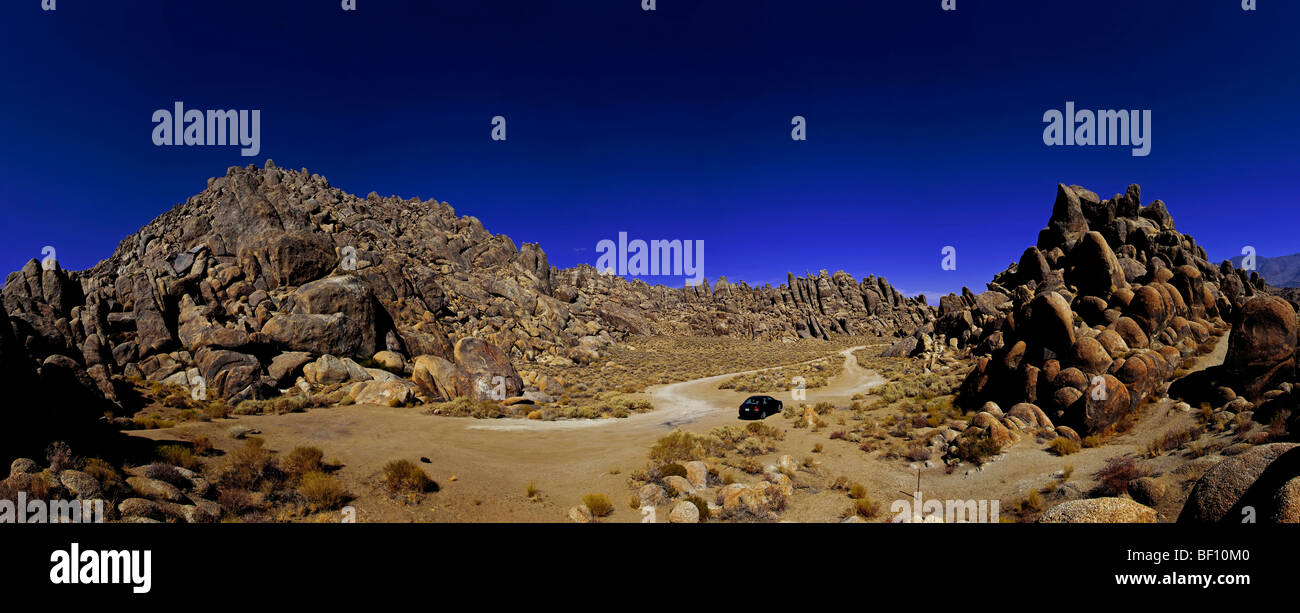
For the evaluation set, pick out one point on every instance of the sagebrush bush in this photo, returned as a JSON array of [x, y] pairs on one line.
[[405, 476], [865, 507], [235, 501], [681, 445], [247, 465], [917, 453], [977, 449], [598, 504], [302, 460], [322, 491], [672, 469], [857, 491], [1116, 475], [178, 455], [1063, 446], [102, 471], [202, 445]]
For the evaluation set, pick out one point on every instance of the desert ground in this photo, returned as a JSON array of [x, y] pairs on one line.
[[484, 468]]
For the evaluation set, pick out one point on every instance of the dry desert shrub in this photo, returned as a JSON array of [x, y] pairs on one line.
[[302, 460], [179, 455], [467, 407], [248, 465], [865, 508], [1115, 476], [598, 504], [322, 491], [404, 476], [681, 445], [1063, 446], [857, 491]]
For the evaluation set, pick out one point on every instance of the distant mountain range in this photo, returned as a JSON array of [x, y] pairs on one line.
[[1281, 271]]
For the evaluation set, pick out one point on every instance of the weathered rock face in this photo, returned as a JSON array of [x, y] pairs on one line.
[[1099, 511], [266, 261], [1260, 478], [1099, 314], [314, 333], [344, 294], [231, 375], [1262, 346], [330, 369], [440, 379], [488, 368]]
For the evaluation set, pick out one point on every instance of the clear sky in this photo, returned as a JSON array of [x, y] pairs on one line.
[[925, 127]]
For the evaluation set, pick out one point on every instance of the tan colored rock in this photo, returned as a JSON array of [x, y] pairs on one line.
[[680, 484], [581, 514], [1099, 511], [684, 512], [697, 473], [155, 489], [391, 360]]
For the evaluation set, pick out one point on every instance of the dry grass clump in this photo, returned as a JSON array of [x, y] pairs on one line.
[[1171, 440], [1030, 504], [1063, 446], [152, 422], [303, 460], [322, 491], [865, 508], [976, 449], [467, 407], [1116, 475], [178, 455], [598, 504], [248, 466], [288, 403], [681, 445], [403, 476], [857, 491], [102, 471], [176, 402]]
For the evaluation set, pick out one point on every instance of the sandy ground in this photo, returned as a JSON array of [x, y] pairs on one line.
[[483, 467]]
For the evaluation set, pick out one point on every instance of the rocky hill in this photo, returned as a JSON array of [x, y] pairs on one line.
[[1103, 312], [267, 269]]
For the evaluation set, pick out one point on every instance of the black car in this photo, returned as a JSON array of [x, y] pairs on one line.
[[759, 407]]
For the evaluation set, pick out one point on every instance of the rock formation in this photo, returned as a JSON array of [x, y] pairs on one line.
[[245, 286], [1097, 315]]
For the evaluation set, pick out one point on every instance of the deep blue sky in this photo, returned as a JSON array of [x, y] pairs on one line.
[[925, 127]]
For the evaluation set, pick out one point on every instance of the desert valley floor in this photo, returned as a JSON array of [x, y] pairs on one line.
[[484, 467]]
